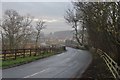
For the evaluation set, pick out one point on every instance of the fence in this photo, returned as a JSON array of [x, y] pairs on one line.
[[112, 65], [14, 53]]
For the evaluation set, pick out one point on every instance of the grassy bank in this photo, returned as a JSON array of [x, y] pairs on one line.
[[20, 61]]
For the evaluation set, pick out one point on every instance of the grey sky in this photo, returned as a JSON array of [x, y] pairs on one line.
[[51, 12]]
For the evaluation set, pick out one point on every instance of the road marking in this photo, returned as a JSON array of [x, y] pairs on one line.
[[35, 73]]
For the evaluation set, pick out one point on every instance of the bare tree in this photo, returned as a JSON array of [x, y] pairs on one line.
[[73, 19], [102, 24], [15, 28], [26, 30], [40, 25], [11, 25]]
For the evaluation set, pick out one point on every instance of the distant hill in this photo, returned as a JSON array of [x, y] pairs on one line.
[[68, 34], [63, 34]]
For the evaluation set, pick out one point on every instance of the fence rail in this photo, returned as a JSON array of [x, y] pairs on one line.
[[14, 53], [112, 65]]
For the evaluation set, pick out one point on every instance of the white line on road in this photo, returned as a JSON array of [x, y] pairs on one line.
[[35, 73]]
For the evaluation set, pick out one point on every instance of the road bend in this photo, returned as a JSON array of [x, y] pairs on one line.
[[69, 64]]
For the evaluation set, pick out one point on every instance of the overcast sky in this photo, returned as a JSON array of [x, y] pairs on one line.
[[51, 12]]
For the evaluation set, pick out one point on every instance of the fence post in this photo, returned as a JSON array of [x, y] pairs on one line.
[[43, 51], [50, 50], [35, 52], [30, 52], [23, 53], [64, 48], [53, 50], [4, 55], [15, 54], [39, 51], [47, 50]]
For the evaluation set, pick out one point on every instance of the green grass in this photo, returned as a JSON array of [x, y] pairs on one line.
[[20, 61]]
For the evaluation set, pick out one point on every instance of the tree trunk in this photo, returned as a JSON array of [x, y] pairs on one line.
[[37, 37], [76, 34], [82, 35]]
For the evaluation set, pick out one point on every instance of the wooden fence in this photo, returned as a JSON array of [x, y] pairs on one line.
[[14, 53], [112, 65]]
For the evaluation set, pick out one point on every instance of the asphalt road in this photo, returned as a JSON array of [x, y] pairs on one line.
[[70, 64]]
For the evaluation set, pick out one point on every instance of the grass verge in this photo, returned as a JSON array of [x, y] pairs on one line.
[[20, 61]]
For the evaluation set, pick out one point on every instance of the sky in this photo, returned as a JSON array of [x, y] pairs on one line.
[[51, 12]]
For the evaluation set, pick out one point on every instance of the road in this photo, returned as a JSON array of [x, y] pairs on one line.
[[69, 64]]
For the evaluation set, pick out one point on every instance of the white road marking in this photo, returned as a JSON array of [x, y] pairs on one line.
[[35, 73]]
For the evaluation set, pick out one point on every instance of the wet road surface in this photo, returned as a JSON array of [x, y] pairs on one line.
[[70, 64]]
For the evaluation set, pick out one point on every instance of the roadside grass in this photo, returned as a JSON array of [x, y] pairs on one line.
[[19, 61]]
